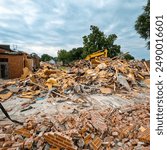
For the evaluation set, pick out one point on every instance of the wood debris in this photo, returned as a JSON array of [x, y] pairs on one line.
[[95, 129], [108, 77]]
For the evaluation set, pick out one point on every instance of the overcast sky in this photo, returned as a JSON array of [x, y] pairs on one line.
[[45, 26]]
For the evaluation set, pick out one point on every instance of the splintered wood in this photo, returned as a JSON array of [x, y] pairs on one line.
[[5, 96], [107, 77]]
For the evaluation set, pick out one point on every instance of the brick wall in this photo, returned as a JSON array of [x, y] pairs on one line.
[[15, 65], [29, 64], [36, 63], [2, 50]]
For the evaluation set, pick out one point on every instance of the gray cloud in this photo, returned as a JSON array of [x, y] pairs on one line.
[[47, 26]]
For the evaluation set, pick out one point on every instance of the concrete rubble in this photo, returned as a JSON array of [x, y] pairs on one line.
[[101, 106]]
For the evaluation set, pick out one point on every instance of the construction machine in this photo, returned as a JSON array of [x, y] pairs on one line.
[[95, 57]]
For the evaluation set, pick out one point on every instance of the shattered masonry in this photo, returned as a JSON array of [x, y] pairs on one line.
[[82, 122]]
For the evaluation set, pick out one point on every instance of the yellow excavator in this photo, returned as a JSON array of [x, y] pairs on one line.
[[95, 57]]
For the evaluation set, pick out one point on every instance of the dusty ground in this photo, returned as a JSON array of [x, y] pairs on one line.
[[16, 106]]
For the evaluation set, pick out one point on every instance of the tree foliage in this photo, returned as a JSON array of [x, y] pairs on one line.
[[69, 56], [142, 25], [97, 40], [34, 55], [128, 57], [93, 42], [63, 56], [46, 57], [76, 53]]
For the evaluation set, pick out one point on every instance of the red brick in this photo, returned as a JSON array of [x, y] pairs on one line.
[[23, 132], [87, 139], [145, 136], [96, 143], [98, 122], [58, 140]]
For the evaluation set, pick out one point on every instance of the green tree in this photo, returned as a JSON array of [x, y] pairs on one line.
[[46, 57], [142, 25], [128, 57], [93, 42], [64, 56], [55, 59], [76, 53], [69, 56], [97, 40]]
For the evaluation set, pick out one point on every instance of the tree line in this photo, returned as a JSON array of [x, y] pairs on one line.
[[93, 42], [97, 40]]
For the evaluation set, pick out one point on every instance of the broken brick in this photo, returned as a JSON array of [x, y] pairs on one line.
[[126, 131], [145, 136], [98, 122], [87, 139], [28, 143], [96, 143], [23, 132], [58, 140]]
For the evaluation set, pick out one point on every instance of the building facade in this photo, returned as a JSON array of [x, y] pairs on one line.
[[12, 63]]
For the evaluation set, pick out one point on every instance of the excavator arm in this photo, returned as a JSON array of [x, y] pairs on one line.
[[97, 54]]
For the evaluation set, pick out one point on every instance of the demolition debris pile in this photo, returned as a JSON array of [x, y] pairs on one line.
[[108, 77], [108, 128], [126, 128]]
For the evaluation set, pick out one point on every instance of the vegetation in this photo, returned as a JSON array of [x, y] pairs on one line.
[[64, 56], [93, 42], [128, 57], [46, 57], [142, 24], [97, 40]]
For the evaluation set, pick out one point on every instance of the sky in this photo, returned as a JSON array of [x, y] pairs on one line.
[[46, 26]]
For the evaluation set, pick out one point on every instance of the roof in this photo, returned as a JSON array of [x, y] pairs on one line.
[[6, 47], [12, 53]]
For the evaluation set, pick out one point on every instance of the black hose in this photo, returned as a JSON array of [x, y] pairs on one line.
[[7, 115]]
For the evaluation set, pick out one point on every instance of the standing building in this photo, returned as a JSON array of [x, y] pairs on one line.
[[13, 62]]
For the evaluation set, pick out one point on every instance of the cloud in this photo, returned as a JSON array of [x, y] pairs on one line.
[[47, 26]]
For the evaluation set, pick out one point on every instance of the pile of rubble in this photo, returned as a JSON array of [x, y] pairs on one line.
[[125, 128], [108, 77], [107, 128]]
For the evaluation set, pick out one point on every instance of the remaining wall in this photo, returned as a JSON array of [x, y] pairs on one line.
[[36, 63], [29, 64], [4, 70], [3, 50], [15, 65]]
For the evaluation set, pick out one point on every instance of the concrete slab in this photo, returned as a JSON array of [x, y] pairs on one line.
[[95, 101]]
